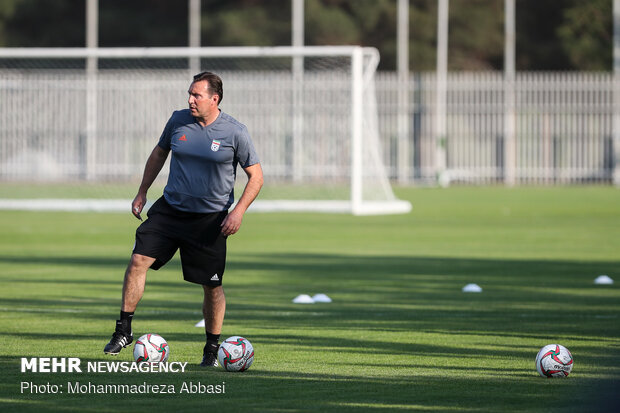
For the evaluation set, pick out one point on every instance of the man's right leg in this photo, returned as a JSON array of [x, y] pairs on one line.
[[135, 279], [133, 288]]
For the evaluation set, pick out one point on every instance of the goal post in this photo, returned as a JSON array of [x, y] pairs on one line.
[[76, 138]]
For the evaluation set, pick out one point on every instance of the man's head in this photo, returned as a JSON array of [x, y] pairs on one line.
[[205, 94]]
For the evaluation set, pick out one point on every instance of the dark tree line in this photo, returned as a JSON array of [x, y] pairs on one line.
[[551, 34]]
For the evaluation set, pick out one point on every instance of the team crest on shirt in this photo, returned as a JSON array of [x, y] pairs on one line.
[[215, 145]]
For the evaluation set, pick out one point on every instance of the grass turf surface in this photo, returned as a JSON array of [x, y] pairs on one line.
[[399, 335]]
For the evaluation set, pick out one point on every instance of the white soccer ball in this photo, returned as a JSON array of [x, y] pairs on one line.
[[151, 348], [554, 360], [236, 353]]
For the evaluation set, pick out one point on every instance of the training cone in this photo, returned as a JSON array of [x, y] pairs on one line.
[[321, 298], [472, 288], [603, 279], [303, 299]]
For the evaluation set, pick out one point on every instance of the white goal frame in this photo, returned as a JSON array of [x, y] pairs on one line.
[[364, 62]]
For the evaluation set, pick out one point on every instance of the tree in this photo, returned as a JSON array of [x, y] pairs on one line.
[[246, 23], [42, 23], [476, 35], [586, 33], [551, 34], [476, 30], [142, 23]]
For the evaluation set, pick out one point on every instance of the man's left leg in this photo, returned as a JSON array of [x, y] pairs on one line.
[[213, 310]]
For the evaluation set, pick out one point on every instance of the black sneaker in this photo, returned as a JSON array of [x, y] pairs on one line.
[[209, 355], [120, 339]]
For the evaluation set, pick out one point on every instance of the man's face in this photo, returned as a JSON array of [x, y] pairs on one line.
[[202, 102]]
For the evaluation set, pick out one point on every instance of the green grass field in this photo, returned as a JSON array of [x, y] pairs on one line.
[[399, 334]]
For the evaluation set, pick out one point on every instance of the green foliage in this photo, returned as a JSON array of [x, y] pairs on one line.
[[142, 23], [476, 35], [587, 34], [538, 47], [422, 35], [246, 23], [42, 23], [7, 9], [551, 34], [330, 24]]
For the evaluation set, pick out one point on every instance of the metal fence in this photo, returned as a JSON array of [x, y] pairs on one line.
[[563, 128]]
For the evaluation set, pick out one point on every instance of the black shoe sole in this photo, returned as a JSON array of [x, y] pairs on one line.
[[205, 364], [110, 353]]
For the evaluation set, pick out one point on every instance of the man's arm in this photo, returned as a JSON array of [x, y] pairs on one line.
[[232, 222], [151, 170]]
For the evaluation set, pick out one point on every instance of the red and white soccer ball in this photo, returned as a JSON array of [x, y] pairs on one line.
[[236, 354], [554, 360], [151, 348]]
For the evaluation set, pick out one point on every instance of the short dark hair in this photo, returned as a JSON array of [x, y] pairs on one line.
[[215, 83]]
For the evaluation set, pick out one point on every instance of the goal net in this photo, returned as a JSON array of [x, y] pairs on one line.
[[76, 125]]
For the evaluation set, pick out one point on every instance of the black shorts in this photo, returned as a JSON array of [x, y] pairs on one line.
[[198, 237]]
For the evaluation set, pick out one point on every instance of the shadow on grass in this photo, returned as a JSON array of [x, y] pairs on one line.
[[259, 391], [335, 267], [372, 295], [377, 293]]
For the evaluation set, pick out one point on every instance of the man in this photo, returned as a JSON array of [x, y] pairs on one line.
[[192, 216]]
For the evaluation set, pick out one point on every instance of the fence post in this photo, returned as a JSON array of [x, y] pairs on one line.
[[509, 91], [92, 65], [441, 162], [403, 160], [616, 96]]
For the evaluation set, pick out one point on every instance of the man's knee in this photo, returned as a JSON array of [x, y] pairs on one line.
[[213, 291], [140, 263]]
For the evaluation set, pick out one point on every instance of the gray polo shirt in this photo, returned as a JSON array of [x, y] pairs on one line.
[[203, 166]]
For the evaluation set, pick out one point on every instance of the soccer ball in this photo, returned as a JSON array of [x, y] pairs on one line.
[[235, 354], [151, 348], [554, 360]]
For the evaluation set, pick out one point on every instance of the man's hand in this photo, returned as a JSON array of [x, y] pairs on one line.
[[231, 224], [138, 205], [156, 161]]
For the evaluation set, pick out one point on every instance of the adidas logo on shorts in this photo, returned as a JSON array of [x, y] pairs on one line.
[[215, 278]]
